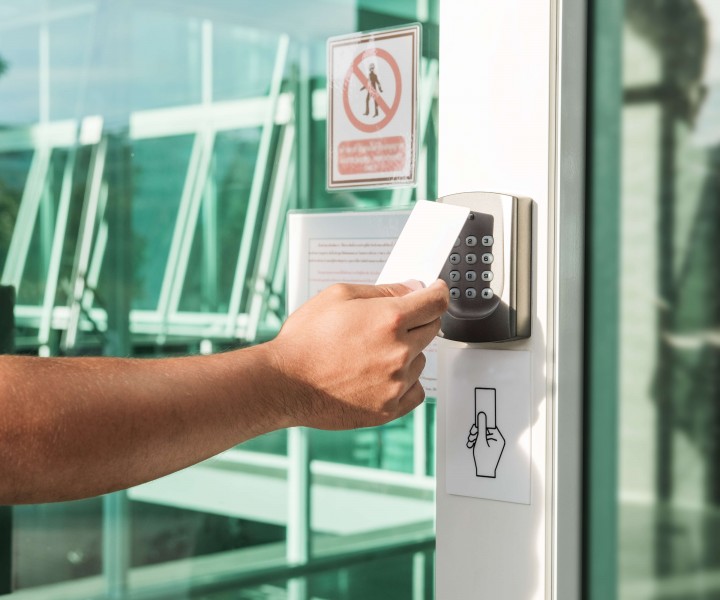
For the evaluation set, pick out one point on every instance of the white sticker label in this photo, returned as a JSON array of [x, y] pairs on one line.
[[488, 402]]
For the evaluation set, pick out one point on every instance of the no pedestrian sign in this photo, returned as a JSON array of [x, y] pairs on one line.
[[372, 108]]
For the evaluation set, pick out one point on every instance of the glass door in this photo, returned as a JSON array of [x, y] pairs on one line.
[[653, 300]]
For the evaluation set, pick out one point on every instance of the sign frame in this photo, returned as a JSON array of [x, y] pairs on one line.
[[383, 153]]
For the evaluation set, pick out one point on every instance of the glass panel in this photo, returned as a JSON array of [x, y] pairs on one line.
[[668, 297], [14, 169], [69, 44], [165, 74], [216, 241], [389, 447], [35, 274], [53, 543], [248, 53], [19, 89], [160, 168], [155, 125], [404, 577]]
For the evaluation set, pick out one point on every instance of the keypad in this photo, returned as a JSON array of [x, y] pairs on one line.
[[469, 286]]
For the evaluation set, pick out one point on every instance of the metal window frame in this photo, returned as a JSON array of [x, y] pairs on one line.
[[568, 188]]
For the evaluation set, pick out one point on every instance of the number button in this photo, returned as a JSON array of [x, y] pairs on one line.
[[486, 275], [487, 258], [454, 258], [470, 293], [487, 240], [471, 259], [457, 243], [471, 240], [471, 276], [454, 293], [487, 293], [454, 275]]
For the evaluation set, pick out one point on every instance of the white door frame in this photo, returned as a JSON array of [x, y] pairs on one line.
[[512, 119]]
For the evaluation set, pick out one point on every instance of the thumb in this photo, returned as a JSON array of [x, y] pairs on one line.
[[482, 423]]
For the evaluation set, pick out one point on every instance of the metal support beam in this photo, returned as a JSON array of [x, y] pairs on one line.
[[7, 330], [56, 254], [85, 245]]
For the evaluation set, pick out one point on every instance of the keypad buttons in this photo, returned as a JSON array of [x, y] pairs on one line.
[[471, 259], [454, 275], [454, 258], [457, 243], [454, 293], [470, 276], [487, 240], [471, 293], [486, 275], [471, 240], [486, 258], [487, 293]]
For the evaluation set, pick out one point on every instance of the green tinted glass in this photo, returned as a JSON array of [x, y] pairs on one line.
[[654, 383], [148, 157]]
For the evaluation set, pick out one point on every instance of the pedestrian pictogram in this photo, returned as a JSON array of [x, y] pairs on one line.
[[372, 108], [371, 89]]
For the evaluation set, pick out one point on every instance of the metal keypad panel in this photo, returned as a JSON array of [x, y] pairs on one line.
[[468, 270]]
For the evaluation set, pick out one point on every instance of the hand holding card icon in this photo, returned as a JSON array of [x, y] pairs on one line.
[[489, 448]]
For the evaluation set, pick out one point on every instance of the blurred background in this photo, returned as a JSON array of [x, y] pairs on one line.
[[653, 303], [148, 154]]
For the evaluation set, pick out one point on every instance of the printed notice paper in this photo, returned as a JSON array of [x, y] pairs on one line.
[[424, 243]]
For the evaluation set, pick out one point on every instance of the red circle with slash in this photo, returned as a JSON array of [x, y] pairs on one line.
[[388, 110]]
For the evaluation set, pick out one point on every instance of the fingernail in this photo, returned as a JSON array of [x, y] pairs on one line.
[[414, 284]]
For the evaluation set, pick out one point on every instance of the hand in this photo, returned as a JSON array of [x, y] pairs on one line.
[[352, 355], [486, 452]]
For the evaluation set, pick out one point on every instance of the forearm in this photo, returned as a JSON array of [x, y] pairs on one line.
[[72, 428]]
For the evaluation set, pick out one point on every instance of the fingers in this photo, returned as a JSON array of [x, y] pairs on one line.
[[419, 337], [472, 436], [418, 305], [416, 367], [411, 399], [388, 290], [424, 306], [412, 375]]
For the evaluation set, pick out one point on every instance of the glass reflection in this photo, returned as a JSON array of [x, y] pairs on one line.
[[133, 136], [670, 357]]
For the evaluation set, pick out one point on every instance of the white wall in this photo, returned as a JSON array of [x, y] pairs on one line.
[[495, 135]]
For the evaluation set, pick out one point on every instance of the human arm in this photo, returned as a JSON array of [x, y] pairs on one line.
[[72, 428]]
